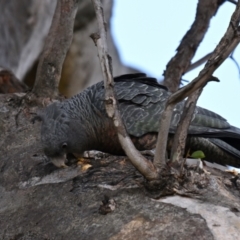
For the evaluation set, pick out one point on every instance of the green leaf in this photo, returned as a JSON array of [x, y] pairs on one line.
[[198, 154]]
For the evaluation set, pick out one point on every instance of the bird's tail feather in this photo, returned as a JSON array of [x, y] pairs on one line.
[[215, 150], [227, 146]]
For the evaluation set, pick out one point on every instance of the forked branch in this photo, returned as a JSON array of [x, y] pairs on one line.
[[227, 44], [179, 64], [143, 165]]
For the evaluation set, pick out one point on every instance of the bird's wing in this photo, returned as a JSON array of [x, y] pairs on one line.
[[141, 105], [142, 100]]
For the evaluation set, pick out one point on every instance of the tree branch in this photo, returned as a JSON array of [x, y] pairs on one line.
[[180, 137], [144, 167], [222, 51], [199, 62], [225, 47], [178, 65], [57, 44]]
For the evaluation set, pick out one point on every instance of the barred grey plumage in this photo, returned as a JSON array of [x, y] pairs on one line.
[[80, 123]]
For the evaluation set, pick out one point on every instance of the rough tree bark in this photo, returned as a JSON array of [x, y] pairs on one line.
[[178, 147], [60, 37], [39, 201], [178, 65], [24, 26]]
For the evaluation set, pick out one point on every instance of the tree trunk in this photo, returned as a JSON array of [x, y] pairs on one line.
[[39, 201]]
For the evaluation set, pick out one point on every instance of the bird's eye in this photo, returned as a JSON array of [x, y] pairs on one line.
[[64, 145]]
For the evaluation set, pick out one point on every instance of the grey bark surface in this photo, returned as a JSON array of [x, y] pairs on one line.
[[56, 46], [82, 67], [39, 201], [25, 25]]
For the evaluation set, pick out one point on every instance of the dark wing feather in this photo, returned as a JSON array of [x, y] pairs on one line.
[[141, 106], [140, 78], [129, 77]]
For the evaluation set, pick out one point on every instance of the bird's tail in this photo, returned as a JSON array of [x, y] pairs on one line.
[[215, 150], [227, 146]]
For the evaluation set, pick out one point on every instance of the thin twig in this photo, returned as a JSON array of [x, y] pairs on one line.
[[199, 62], [235, 61], [143, 165], [206, 74]]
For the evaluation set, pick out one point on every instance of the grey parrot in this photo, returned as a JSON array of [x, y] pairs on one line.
[[80, 123]]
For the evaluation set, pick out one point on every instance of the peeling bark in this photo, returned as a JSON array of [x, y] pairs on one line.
[[143, 166], [57, 44], [39, 201], [22, 43]]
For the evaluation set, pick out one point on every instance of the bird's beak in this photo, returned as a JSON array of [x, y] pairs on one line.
[[59, 161]]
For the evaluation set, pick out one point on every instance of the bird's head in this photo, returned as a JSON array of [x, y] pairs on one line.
[[55, 147], [54, 134]]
